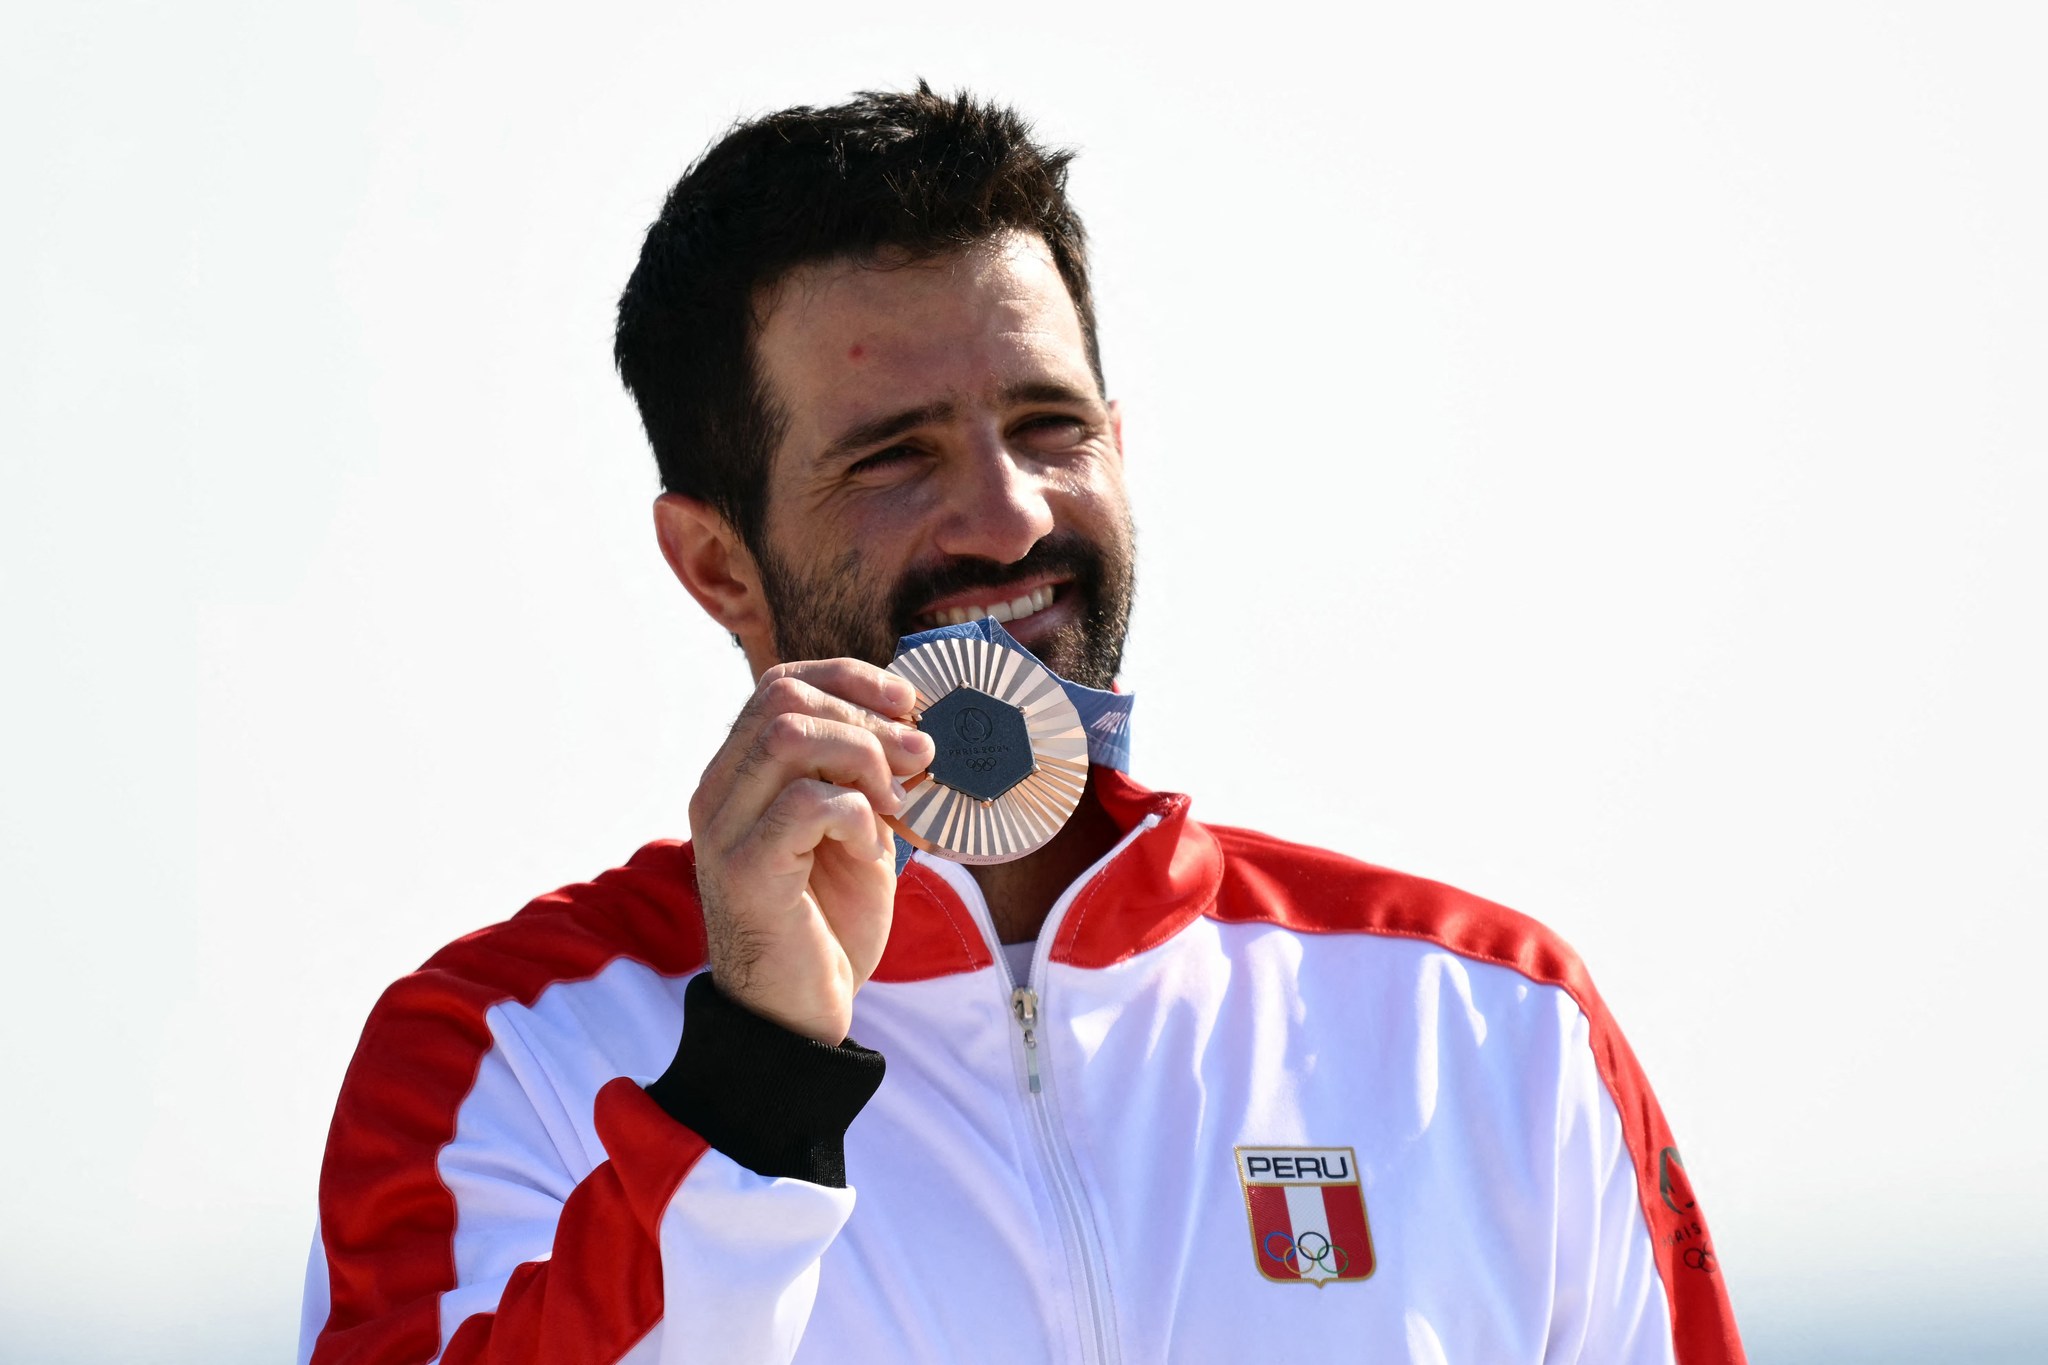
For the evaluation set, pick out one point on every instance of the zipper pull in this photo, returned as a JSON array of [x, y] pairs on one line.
[[1024, 1004]]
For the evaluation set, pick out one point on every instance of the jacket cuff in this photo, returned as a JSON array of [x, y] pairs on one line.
[[774, 1101]]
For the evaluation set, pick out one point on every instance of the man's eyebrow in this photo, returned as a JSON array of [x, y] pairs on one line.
[[876, 430], [1047, 392]]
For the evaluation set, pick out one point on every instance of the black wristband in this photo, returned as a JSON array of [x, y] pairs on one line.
[[776, 1102]]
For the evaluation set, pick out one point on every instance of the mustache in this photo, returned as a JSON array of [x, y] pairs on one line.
[[1061, 553]]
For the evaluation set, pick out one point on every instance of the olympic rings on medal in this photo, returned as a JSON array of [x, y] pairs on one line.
[[1311, 1249]]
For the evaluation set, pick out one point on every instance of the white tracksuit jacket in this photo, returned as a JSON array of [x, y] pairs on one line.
[[1287, 1107]]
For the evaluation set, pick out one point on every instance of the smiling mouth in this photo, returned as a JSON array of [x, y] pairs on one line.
[[1037, 600]]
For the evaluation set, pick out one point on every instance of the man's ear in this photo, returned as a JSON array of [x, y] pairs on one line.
[[712, 563]]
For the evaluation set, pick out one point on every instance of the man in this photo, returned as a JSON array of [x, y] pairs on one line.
[[1155, 1092]]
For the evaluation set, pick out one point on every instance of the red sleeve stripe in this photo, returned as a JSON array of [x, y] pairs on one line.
[[386, 1218], [612, 1223]]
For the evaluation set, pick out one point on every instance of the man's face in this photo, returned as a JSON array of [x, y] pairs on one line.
[[946, 455]]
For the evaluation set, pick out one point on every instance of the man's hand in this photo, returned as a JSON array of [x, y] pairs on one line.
[[795, 866]]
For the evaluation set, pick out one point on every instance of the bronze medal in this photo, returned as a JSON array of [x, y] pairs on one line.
[[1011, 757]]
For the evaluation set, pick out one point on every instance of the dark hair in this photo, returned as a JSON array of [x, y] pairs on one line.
[[910, 171]]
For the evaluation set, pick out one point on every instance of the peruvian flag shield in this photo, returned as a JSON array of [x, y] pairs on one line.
[[1307, 1213]]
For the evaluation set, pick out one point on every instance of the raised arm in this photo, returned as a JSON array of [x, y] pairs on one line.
[[500, 1187]]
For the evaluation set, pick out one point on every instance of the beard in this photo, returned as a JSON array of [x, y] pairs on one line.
[[841, 612]]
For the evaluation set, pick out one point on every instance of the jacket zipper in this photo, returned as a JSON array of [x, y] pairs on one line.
[[1024, 1004], [1077, 1229]]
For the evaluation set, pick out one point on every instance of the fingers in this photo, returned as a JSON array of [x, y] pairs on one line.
[[798, 863], [851, 680], [906, 750], [847, 691], [794, 863], [792, 745], [797, 916], [794, 727], [825, 694], [804, 815]]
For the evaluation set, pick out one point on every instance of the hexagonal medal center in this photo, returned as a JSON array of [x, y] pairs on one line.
[[983, 747]]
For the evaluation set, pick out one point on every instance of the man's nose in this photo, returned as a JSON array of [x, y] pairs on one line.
[[997, 508]]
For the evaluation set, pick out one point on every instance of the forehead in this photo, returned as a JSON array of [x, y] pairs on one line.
[[843, 342]]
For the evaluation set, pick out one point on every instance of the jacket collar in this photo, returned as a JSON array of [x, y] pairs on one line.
[[1161, 881]]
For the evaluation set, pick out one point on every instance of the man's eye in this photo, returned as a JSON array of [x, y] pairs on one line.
[[881, 459], [1053, 431]]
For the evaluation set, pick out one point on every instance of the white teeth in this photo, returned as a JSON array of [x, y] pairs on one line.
[[1037, 600]]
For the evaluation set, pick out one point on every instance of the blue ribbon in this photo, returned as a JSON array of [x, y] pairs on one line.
[[1105, 716]]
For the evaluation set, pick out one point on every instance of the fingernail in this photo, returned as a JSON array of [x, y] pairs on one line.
[[902, 793]]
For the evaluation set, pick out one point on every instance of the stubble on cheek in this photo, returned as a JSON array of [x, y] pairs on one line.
[[1090, 651], [838, 613]]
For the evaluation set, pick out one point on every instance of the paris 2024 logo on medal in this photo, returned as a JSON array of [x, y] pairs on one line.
[[1307, 1212]]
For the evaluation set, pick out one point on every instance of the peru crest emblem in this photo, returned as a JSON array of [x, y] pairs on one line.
[[1307, 1212]]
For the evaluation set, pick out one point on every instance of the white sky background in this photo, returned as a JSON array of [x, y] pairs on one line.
[[1591, 454]]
